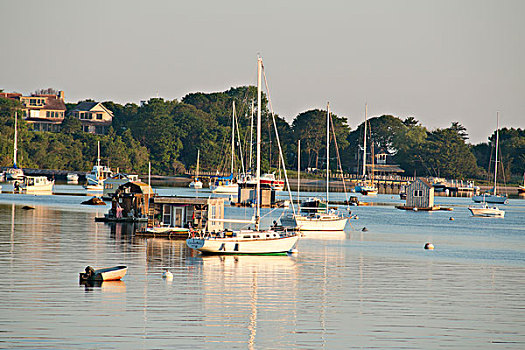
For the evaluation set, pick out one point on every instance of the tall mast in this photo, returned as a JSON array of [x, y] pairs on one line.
[[298, 171], [364, 143], [198, 156], [259, 107], [233, 133], [496, 164], [327, 152], [98, 153], [251, 138], [16, 143]]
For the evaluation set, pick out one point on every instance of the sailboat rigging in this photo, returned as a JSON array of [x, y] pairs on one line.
[[248, 241]]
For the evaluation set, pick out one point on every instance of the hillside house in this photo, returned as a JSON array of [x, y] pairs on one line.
[[94, 117]]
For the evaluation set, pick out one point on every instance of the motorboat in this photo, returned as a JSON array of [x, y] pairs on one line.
[[95, 178], [33, 184], [485, 210], [249, 241], [72, 178], [114, 273]]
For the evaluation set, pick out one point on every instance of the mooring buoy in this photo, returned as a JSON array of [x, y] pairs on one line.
[[429, 246]]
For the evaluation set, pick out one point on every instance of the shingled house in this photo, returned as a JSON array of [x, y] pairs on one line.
[[94, 117]]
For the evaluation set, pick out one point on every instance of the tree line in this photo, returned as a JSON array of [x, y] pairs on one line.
[[169, 133]]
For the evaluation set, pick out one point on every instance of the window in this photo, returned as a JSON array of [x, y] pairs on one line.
[[47, 114], [418, 193], [166, 217], [99, 116]]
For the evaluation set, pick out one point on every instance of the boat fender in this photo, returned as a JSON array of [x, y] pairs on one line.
[[451, 218], [364, 229], [429, 246], [415, 209]]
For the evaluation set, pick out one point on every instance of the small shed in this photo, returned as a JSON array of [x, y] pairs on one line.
[[420, 194], [247, 195], [131, 201], [183, 212]]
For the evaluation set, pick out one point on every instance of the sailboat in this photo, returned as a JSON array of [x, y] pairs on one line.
[[227, 185], [484, 209], [196, 183], [521, 189], [366, 187], [99, 173], [494, 197], [327, 220], [248, 241], [14, 173]]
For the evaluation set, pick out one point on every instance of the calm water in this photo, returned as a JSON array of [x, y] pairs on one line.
[[374, 289]]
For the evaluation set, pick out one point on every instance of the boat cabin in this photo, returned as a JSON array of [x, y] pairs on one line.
[[186, 212], [111, 184], [420, 194]]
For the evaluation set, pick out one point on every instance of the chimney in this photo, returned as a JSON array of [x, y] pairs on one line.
[[61, 95]]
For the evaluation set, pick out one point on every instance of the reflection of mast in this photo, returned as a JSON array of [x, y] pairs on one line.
[[12, 250], [252, 327]]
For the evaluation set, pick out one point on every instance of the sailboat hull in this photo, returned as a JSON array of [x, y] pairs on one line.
[[229, 189], [490, 199], [320, 222], [275, 244]]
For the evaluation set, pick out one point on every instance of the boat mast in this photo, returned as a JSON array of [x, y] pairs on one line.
[[496, 163], [15, 143], [258, 174], [233, 134], [251, 138], [327, 152], [364, 143], [198, 156], [298, 172]]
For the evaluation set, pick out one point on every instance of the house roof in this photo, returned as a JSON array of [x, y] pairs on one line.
[[185, 200], [388, 168], [85, 106], [428, 184], [54, 103], [138, 185]]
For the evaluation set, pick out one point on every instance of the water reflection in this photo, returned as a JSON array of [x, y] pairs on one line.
[[105, 286]]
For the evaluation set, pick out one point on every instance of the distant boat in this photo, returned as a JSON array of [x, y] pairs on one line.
[[315, 220], [366, 187], [196, 183], [105, 274], [112, 183], [521, 189], [14, 173], [484, 210], [494, 197], [99, 173], [72, 178], [32, 184], [248, 241]]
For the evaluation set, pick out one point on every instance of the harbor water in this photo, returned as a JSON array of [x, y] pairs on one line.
[[362, 288]]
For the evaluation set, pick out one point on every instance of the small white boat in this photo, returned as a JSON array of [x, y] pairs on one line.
[[72, 178], [98, 174], [330, 221], [105, 274], [484, 210], [225, 187], [33, 184], [13, 174]]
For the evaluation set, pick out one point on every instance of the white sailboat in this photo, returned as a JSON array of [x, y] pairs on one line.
[[14, 173], [226, 185], [196, 183], [248, 241], [329, 220], [494, 197], [366, 187], [484, 209], [99, 173]]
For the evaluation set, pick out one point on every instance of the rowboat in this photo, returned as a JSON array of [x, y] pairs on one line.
[[105, 274]]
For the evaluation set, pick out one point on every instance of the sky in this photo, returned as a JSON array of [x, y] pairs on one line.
[[438, 61]]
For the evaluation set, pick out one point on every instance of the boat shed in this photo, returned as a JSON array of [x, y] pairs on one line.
[[187, 212], [420, 194], [131, 202]]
